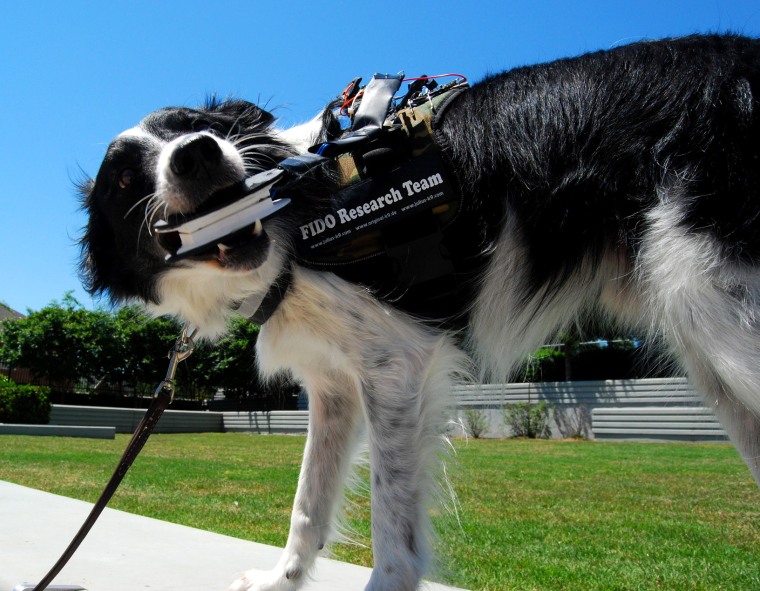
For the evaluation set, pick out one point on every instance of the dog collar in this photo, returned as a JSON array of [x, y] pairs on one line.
[[259, 311]]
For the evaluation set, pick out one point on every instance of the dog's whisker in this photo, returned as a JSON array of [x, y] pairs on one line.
[[249, 136], [260, 158], [235, 124], [139, 202], [147, 223], [151, 215]]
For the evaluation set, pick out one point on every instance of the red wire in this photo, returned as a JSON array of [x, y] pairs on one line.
[[347, 102], [343, 109], [464, 78]]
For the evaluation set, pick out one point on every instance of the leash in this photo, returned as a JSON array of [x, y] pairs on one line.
[[162, 398]]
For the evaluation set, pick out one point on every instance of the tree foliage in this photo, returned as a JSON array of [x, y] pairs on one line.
[[230, 361], [124, 351], [142, 343], [61, 342], [596, 353]]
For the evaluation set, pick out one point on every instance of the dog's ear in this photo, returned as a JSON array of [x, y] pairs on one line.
[[101, 267], [265, 117], [330, 125], [94, 242], [245, 114]]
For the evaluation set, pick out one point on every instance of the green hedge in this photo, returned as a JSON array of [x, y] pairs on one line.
[[24, 404]]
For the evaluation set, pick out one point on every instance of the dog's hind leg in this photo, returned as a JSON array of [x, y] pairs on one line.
[[741, 424], [708, 307], [334, 420]]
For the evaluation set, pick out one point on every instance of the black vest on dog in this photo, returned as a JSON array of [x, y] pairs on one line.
[[398, 224]]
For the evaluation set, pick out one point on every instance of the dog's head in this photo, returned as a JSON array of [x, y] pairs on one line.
[[175, 161]]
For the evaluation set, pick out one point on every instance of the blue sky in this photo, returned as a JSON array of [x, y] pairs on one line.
[[74, 74]]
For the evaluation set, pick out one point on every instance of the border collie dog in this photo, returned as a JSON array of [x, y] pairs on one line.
[[623, 183]]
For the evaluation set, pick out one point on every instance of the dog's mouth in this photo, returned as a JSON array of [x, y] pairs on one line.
[[240, 249], [226, 228]]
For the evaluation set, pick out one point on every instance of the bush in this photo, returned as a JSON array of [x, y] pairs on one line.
[[528, 420], [476, 422], [24, 404]]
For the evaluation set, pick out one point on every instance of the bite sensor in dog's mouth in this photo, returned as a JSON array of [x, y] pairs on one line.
[[234, 220]]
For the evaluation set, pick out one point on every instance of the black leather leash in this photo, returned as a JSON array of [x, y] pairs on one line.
[[163, 396]]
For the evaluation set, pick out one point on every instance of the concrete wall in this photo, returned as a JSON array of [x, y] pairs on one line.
[[573, 405], [276, 421], [574, 402], [126, 419]]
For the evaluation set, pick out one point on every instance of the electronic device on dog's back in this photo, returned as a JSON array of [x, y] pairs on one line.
[[252, 203]]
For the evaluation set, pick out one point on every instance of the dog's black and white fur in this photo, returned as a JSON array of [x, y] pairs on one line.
[[624, 183]]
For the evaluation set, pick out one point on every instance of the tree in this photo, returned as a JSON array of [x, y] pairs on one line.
[[229, 363], [65, 343], [126, 350], [61, 343], [144, 342]]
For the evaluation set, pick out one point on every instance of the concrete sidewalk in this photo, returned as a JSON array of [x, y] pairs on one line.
[[126, 552]]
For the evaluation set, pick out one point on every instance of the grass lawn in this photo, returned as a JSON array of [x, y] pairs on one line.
[[532, 515]]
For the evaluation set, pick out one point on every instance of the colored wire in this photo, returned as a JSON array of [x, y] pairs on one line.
[[464, 78]]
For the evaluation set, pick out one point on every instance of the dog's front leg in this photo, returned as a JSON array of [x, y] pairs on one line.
[[397, 473], [334, 418], [403, 402]]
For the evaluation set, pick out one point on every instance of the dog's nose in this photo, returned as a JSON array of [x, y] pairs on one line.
[[198, 152]]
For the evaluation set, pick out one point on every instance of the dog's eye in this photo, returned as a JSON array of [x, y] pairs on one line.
[[125, 178]]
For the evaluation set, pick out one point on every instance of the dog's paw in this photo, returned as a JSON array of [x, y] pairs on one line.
[[257, 580]]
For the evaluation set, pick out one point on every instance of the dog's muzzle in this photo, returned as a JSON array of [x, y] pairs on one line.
[[234, 220]]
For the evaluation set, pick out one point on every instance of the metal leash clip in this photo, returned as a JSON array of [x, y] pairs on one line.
[[183, 348]]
